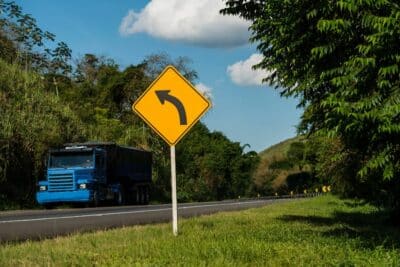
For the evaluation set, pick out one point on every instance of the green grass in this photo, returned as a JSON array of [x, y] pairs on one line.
[[323, 231]]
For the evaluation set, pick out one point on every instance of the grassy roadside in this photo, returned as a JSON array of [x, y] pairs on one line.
[[314, 232]]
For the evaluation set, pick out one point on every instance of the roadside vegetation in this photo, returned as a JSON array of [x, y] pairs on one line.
[[323, 231]]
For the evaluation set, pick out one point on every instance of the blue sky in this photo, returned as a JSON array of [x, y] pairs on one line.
[[128, 31]]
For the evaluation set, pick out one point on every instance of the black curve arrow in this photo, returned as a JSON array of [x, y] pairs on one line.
[[163, 95]]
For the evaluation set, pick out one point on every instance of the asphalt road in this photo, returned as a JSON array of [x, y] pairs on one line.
[[38, 224]]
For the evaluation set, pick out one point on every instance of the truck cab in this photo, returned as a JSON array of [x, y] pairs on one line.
[[74, 174]]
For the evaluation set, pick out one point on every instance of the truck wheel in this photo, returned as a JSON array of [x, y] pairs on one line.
[[137, 196], [95, 201], [140, 194], [120, 197], [145, 195]]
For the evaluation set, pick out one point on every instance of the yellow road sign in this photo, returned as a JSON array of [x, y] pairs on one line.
[[171, 105]]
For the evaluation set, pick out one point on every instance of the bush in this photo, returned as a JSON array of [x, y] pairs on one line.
[[31, 122]]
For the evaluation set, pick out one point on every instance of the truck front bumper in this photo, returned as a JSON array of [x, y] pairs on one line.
[[46, 197]]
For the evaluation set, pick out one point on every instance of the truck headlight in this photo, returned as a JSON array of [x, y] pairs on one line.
[[42, 188], [82, 186]]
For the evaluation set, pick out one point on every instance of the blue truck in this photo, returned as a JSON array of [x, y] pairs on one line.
[[94, 172]]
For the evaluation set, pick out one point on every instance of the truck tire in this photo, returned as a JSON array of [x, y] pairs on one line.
[[120, 199], [95, 201], [142, 197], [145, 195], [137, 196], [140, 190]]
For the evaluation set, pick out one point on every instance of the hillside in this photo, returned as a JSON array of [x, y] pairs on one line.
[[274, 167], [280, 148]]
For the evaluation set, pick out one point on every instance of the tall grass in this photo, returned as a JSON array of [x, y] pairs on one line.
[[31, 121], [324, 231]]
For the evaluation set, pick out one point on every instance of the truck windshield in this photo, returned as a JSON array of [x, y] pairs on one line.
[[71, 159]]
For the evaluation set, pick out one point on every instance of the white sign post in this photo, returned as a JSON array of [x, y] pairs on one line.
[[173, 189]]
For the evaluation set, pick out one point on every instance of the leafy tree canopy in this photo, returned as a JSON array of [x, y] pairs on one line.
[[342, 59], [23, 42]]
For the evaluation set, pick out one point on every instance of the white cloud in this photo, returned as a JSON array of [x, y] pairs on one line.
[[195, 22], [205, 90], [241, 72]]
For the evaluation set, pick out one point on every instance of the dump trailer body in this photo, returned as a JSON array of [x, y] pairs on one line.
[[129, 163], [123, 162]]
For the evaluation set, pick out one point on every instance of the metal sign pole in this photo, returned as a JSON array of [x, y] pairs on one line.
[[173, 189]]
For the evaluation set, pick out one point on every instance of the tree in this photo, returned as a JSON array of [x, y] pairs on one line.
[[210, 166], [155, 64], [23, 42], [297, 154], [342, 59], [60, 57]]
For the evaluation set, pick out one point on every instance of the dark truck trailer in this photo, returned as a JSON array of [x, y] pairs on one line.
[[94, 172]]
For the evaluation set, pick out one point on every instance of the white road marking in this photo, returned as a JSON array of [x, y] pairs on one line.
[[128, 212]]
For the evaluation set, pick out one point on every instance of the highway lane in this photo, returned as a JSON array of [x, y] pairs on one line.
[[38, 224]]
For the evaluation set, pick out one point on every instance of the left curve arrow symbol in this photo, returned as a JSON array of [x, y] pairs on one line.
[[163, 95]]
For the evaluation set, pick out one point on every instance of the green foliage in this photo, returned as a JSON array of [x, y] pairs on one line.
[[104, 128], [213, 167], [342, 60], [300, 181], [284, 164], [31, 121], [23, 42], [297, 154]]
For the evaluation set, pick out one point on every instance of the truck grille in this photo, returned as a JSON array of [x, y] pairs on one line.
[[61, 182]]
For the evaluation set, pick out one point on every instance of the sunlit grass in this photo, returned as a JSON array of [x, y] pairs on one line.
[[315, 232]]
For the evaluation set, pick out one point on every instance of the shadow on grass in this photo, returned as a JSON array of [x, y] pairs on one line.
[[355, 204], [350, 204], [371, 229]]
